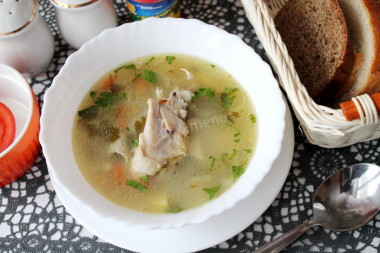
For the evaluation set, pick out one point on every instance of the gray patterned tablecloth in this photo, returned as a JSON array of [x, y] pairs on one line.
[[33, 219]]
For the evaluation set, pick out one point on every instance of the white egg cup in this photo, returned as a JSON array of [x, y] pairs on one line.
[[26, 42], [81, 20]]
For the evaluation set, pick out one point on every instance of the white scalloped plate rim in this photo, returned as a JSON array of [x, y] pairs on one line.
[[151, 36]]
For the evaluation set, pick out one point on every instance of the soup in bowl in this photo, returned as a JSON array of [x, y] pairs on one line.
[[162, 123], [164, 133]]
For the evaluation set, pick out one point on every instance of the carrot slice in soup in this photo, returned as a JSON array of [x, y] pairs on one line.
[[119, 174], [7, 127]]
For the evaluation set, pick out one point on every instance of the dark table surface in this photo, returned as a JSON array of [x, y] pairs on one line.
[[33, 219]]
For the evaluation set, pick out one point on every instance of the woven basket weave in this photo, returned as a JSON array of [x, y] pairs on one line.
[[322, 125]]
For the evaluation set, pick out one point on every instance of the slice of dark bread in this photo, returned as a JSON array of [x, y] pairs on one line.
[[316, 36]]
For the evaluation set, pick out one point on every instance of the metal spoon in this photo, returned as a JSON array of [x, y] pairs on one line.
[[346, 200]]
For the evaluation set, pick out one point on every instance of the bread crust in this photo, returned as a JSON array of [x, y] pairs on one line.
[[338, 81], [373, 83], [342, 80], [370, 83]]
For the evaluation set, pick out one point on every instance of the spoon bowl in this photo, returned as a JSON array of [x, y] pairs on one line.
[[344, 201], [349, 198]]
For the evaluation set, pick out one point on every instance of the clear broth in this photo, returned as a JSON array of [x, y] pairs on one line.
[[220, 141]]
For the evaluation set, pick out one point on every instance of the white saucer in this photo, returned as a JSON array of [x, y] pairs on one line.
[[192, 237]]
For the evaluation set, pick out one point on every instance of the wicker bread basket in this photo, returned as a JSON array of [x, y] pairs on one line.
[[322, 125]]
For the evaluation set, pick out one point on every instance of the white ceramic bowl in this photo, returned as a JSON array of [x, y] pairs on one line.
[[116, 46]]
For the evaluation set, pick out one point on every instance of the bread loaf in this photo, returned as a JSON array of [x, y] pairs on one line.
[[363, 21], [316, 36]]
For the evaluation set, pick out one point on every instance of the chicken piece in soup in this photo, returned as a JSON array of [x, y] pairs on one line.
[[164, 133]]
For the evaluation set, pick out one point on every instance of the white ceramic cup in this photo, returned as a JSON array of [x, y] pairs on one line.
[[81, 20], [26, 42]]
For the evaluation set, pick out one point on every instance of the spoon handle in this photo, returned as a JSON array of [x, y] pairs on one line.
[[284, 240]]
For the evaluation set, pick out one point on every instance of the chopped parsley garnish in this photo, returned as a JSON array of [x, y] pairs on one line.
[[129, 66], [229, 91], [227, 102], [247, 150], [119, 68], [175, 210], [150, 76], [135, 142], [93, 94], [149, 61], [137, 185], [207, 92], [211, 191], [123, 96], [89, 112], [145, 179], [212, 65], [237, 140], [212, 161], [170, 59], [237, 171], [128, 129], [252, 117], [233, 127], [234, 151], [105, 99], [226, 98], [135, 78], [237, 134]]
